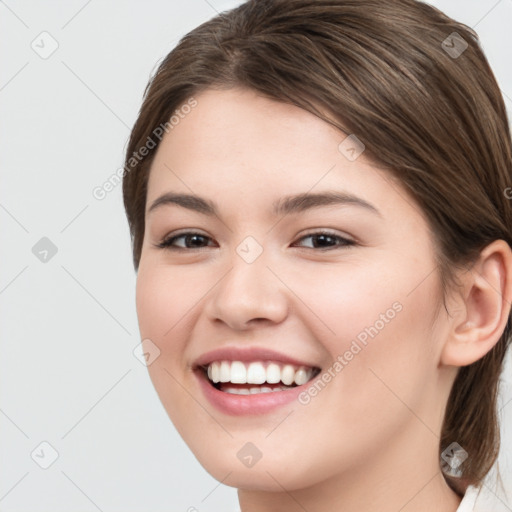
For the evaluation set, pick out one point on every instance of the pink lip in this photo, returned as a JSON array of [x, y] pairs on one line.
[[246, 354], [258, 403], [240, 405]]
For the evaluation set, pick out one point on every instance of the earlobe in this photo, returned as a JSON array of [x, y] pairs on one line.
[[484, 305]]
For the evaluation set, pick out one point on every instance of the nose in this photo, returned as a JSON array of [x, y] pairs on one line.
[[249, 295]]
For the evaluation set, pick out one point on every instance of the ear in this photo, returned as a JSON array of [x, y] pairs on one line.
[[483, 309]]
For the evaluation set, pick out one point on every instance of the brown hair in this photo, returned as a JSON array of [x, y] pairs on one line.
[[386, 71]]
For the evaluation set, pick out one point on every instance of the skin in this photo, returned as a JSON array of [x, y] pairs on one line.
[[369, 440]]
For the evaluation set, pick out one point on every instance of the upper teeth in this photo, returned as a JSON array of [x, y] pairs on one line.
[[238, 372]]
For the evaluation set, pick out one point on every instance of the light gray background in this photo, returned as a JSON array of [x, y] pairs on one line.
[[68, 326]]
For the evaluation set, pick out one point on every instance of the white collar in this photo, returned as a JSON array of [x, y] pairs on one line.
[[468, 501]]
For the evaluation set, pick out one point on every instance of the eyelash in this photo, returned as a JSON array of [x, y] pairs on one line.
[[167, 242]]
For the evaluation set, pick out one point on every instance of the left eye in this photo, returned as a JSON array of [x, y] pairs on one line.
[[328, 240], [193, 240]]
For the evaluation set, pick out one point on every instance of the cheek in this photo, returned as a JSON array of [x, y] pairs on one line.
[[349, 299], [376, 321], [164, 306], [163, 301], [164, 298]]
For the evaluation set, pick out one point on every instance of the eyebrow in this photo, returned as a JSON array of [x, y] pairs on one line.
[[289, 204]]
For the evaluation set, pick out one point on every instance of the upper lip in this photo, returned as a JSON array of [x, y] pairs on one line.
[[247, 354]]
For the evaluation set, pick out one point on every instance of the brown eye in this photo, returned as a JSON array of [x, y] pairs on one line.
[[191, 240], [324, 240]]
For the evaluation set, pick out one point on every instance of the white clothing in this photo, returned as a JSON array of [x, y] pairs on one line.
[[468, 501]]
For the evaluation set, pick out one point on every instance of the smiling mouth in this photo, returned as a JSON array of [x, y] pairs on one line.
[[248, 378]]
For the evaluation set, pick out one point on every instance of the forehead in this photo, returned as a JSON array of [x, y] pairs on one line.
[[256, 149]]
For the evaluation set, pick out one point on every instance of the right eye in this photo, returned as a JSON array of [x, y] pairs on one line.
[[192, 240]]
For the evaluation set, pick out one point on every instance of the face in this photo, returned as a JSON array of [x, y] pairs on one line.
[[315, 316]]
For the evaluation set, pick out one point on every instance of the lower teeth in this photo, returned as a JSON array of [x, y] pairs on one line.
[[253, 391]]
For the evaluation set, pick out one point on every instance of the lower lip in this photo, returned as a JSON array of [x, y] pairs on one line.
[[240, 405]]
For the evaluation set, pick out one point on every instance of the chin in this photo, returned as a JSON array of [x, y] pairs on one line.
[[290, 471]]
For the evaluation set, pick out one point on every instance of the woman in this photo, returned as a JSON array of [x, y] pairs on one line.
[[316, 192]]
